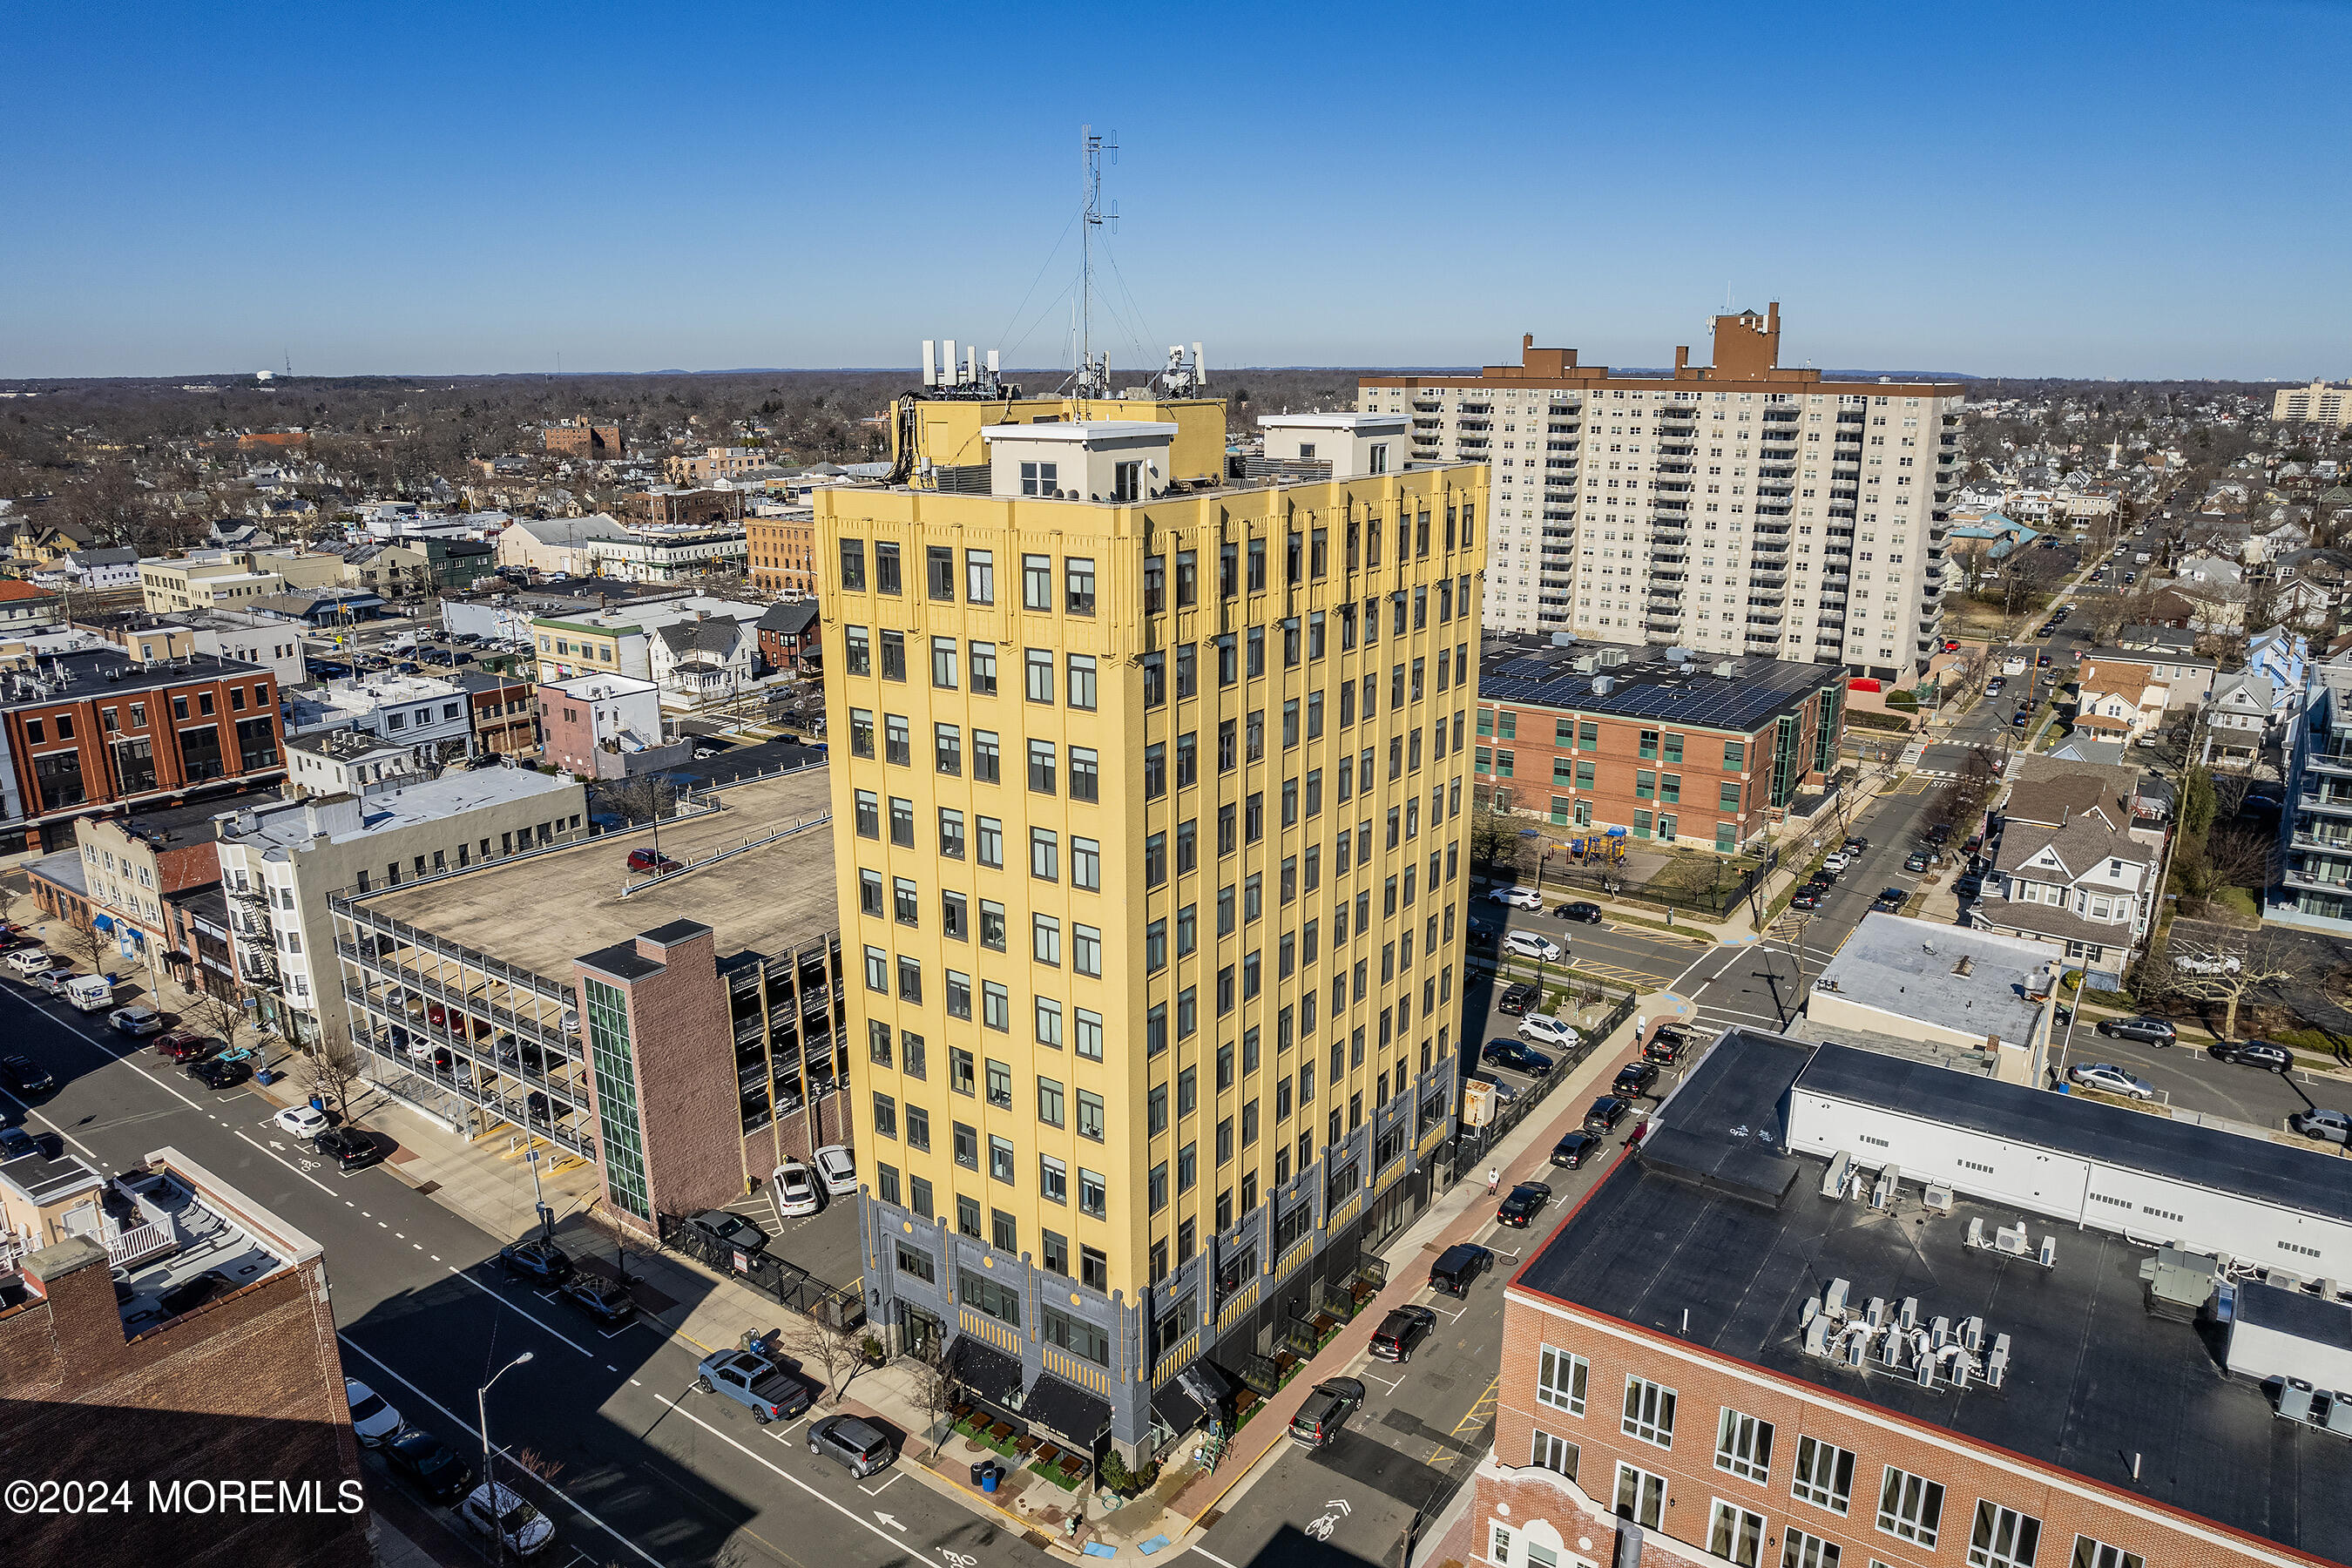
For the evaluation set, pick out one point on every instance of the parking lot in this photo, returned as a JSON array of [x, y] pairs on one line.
[[2189, 1078]]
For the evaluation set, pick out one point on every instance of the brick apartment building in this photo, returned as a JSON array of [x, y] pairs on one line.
[[584, 440], [1744, 1347], [665, 506], [503, 709], [791, 640], [99, 729], [1703, 752], [782, 550], [100, 1380]]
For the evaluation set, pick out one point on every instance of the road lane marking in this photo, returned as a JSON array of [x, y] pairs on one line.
[[1204, 1551], [470, 1431], [494, 1296], [304, 1175], [841, 1509]]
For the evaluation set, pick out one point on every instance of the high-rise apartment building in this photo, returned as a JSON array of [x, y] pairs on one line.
[[1741, 507], [2318, 404], [1151, 789]]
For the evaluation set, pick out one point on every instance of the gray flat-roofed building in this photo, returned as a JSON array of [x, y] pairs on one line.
[[1943, 993]]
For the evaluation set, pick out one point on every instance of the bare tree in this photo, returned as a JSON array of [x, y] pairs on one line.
[[2227, 974], [937, 1389], [83, 940], [331, 1070], [221, 1016], [832, 1352]]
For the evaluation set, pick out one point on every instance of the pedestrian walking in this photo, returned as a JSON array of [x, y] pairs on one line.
[[1494, 1178]]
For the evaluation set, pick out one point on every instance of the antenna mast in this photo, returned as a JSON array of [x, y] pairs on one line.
[[1090, 380]]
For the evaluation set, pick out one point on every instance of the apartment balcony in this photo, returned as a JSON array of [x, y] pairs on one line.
[[1673, 468], [1847, 494], [1428, 408], [1667, 574], [2328, 800], [1777, 491], [1427, 424], [1656, 622], [1668, 535], [1474, 425], [1555, 515], [1557, 533], [1470, 443], [1830, 623], [1668, 558], [2305, 869], [1671, 509], [1781, 415], [1851, 416], [1765, 618], [1778, 453], [1678, 450], [1768, 580], [1776, 473], [1475, 409], [2329, 760], [1559, 465], [1772, 529]]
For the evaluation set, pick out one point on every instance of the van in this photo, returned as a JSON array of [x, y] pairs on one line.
[[90, 993], [862, 1448]]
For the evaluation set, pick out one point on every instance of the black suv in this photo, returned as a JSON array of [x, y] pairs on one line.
[[606, 1300], [2153, 1031], [348, 1147], [26, 1076], [1326, 1410], [1890, 900], [1516, 1000], [1458, 1267], [1523, 1204], [723, 1229], [535, 1259], [1516, 1056], [1400, 1331], [2254, 1054], [1570, 1152], [427, 1462], [1634, 1080], [1606, 1113], [1584, 913]]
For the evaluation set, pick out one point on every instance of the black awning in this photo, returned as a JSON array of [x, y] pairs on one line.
[[1177, 1409], [1067, 1411], [1198, 1390], [986, 1373]]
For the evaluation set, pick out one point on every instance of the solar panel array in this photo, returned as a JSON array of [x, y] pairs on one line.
[[1650, 686]]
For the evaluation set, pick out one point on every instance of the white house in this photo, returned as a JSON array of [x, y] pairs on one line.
[[2239, 719], [2077, 862], [709, 656], [2119, 701]]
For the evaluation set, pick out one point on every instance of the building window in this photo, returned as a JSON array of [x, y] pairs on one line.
[[1735, 1533], [1799, 1549], [1498, 1543], [1641, 1496], [1743, 1445], [2090, 1554], [977, 1290], [1092, 1191], [1824, 1474], [1561, 1379], [1649, 1412], [2003, 1538], [1557, 1454], [1910, 1507]]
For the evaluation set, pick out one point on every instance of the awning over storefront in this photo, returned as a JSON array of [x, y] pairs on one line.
[[987, 1373], [1067, 1412], [1198, 1390]]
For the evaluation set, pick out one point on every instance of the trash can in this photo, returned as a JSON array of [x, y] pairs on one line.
[[988, 1481], [983, 1475], [265, 1078]]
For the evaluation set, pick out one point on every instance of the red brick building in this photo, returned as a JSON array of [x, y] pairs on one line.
[[93, 730], [780, 550], [505, 710], [1704, 752], [790, 637], [1725, 1354], [666, 507], [101, 1383], [579, 438]]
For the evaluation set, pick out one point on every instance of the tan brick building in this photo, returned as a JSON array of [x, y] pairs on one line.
[[782, 553], [585, 440], [1741, 1349]]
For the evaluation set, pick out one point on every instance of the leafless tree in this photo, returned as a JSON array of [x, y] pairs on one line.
[[832, 1352], [2227, 974], [83, 940], [332, 1069], [218, 1015], [937, 1389]]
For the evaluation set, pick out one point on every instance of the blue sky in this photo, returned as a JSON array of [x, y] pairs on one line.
[[2033, 190]]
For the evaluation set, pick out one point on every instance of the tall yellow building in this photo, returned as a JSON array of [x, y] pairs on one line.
[[1151, 806]]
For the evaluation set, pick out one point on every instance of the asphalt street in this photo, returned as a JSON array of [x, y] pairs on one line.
[[639, 1466]]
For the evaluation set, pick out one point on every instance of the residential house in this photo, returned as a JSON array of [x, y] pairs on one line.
[[112, 570], [2211, 569], [2156, 639], [2119, 701], [2281, 655], [43, 542], [791, 638], [2273, 539], [503, 708], [2186, 676], [2077, 862], [2238, 721], [428, 715], [24, 606], [607, 726], [708, 657]]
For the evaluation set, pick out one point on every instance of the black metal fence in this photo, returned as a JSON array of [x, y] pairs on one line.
[[1610, 882], [1472, 1144], [790, 1285]]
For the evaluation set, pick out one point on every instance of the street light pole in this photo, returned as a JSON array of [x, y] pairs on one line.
[[490, 1477]]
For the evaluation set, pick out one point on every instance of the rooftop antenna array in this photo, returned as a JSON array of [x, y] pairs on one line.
[[974, 378], [1092, 376]]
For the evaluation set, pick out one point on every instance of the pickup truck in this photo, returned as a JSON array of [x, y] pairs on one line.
[[768, 1392]]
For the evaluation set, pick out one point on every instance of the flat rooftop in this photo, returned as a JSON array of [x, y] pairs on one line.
[[1710, 1220], [1705, 691], [76, 676], [541, 912], [460, 790], [1946, 974]]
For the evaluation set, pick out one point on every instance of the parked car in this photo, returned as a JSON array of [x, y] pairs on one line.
[[648, 860], [606, 1302], [1666, 1045], [1458, 1267], [1806, 898], [1511, 1054], [723, 1229], [2325, 1126], [2254, 1054], [535, 1259], [135, 1021], [1522, 1204], [15, 1142], [1516, 1000], [1855, 844], [31, 961], [181, 1045], [1992, 687], [304, 1121], [1400, 1331], [2017, 721], [1528, 944], [348, 1147], [431, 1467], [1890, 900], [1917, 861], [1518, 897], [1970, 886], [1836, 861], [2112, 1079], [859, 1445], [491, 1510], [1546, 1030], [1605, 1113], [2208, 964], [1570, 1152], [215, 1073], [837, 1170], [1481, 933], [1938, 833], [372, 1419], [1584, 913], [754, 1382], [1634, 1080], [26, 1076], [1326, 1410], [794, 1190]]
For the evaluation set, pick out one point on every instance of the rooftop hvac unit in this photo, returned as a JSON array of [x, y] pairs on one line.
[[1927, 1372], [2339, 1413], [1937, 1197], [1996, 1368], [2295, 1399], [2011, 1240], [1972, 1332], [1909, 1318], [1587, 664], [1940, 1333], [1604, 685], [1853, 1349], [2049, 1255], [1876, 1313], [1882, 1194], [1817, 1336], [1841, 1170], [1613, 656], [1834, 1299], [1891, 1352], [1976, 1230], [1727, 667], [1563, 640]]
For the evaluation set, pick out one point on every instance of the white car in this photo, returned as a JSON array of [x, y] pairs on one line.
[[372, 1420], [1518, 897], [1546, 1030], [1837, 860], [1528, 944], [31, 961], [2208, 964], [493, 1509], [302, 1120], [2111, 1080], [795, 1191], [837, 1168]]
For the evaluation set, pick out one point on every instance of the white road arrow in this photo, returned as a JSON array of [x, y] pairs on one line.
[[1340, 1503], [887, 1520]]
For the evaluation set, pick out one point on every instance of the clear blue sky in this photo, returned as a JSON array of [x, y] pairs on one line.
[[2045, 189]]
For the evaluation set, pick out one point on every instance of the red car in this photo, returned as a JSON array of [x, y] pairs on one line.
[[183, 1046], [647, 860]]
